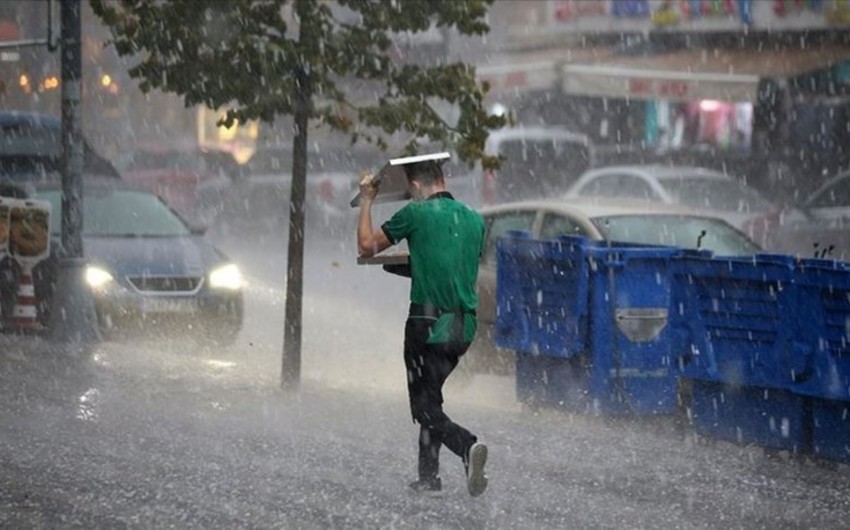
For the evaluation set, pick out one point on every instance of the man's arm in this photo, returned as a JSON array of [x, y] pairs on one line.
[[369, 241]]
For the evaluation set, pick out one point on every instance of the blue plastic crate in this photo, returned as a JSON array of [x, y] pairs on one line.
[[566, 384], [514, 252], [541, 292], [607, 303], [831, 429], [632, 347], [733, 321], [748, 415], [823, 334]]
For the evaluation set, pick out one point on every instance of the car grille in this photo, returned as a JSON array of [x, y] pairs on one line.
[[169, 284]]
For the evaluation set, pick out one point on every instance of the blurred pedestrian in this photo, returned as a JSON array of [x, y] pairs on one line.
[[445, 239]]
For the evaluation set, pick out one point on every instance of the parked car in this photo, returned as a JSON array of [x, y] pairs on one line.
[[831, 201], [259, 198], [176, 174], [536, 162], [614, 220], [826, 232], [741, 205], [148, 270], [31, 148]]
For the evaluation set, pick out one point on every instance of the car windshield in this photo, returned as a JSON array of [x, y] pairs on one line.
[[676, 230], [120, 213], [717, 194]]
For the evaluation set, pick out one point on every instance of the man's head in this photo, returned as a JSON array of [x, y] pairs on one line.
[[424, 178]]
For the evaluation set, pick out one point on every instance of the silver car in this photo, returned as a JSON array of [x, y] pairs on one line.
[[831, 201], [738, 203], [825, 234]]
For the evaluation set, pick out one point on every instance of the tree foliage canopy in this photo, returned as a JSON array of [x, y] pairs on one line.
[[256, 57]]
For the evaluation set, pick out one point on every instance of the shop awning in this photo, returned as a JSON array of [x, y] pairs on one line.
[[727, 75], [517, 74], [685, 75]]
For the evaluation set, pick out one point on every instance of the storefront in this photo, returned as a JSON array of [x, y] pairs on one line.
[[760, 81], [712, 96]]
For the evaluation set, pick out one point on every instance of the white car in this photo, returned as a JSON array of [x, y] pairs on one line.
[[741, 205], [616, 220], [825, 234], [536, 162]]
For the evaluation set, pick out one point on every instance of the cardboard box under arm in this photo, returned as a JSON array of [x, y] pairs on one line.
[[389, 258], [397, 263]]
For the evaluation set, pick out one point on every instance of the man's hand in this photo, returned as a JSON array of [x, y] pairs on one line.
[[368, 186]]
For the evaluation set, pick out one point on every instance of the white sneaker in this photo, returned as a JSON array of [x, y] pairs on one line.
[[476, 479]]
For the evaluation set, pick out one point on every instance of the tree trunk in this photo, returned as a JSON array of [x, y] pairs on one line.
[[290, 375]]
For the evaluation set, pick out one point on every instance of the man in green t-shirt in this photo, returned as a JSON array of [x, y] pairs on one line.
[[445, 239]]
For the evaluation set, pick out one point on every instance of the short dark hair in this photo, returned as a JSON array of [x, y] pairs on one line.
[[427, 172]]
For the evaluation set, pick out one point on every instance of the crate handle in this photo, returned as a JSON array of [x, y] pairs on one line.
[[641, 324]]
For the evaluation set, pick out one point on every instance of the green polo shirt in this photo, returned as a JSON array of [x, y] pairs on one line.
[[445, 238]]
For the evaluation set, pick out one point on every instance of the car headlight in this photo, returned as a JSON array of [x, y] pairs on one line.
[[97, 277], [226, 277]]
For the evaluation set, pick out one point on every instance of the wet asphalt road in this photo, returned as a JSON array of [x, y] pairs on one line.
[[165, 434]]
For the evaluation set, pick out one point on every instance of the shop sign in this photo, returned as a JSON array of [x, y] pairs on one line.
[[569, 10], [594, 16], [519, 77], [619, 82], [663, 88]]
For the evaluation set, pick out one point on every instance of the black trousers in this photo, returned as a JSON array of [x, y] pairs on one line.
[[428, 366]]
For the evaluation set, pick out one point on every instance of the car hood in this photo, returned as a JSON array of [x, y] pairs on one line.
[[154, 256]]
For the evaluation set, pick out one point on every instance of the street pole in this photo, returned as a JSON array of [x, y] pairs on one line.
[[73, 322]]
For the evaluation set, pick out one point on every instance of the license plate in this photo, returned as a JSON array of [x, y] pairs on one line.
[[169, 305]]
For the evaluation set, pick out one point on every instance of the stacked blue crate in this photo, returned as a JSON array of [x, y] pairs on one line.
[[588, 322], [541, 293], [823, 339], [606, 328], [737, 338], [541, 313], [633, 364]]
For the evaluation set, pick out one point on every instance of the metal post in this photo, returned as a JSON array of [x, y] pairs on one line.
[[72, 319]]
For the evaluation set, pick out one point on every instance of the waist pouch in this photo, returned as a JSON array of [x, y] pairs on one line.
[[432, 311]]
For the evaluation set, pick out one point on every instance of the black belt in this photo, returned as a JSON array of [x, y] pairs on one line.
[[428, 310]]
